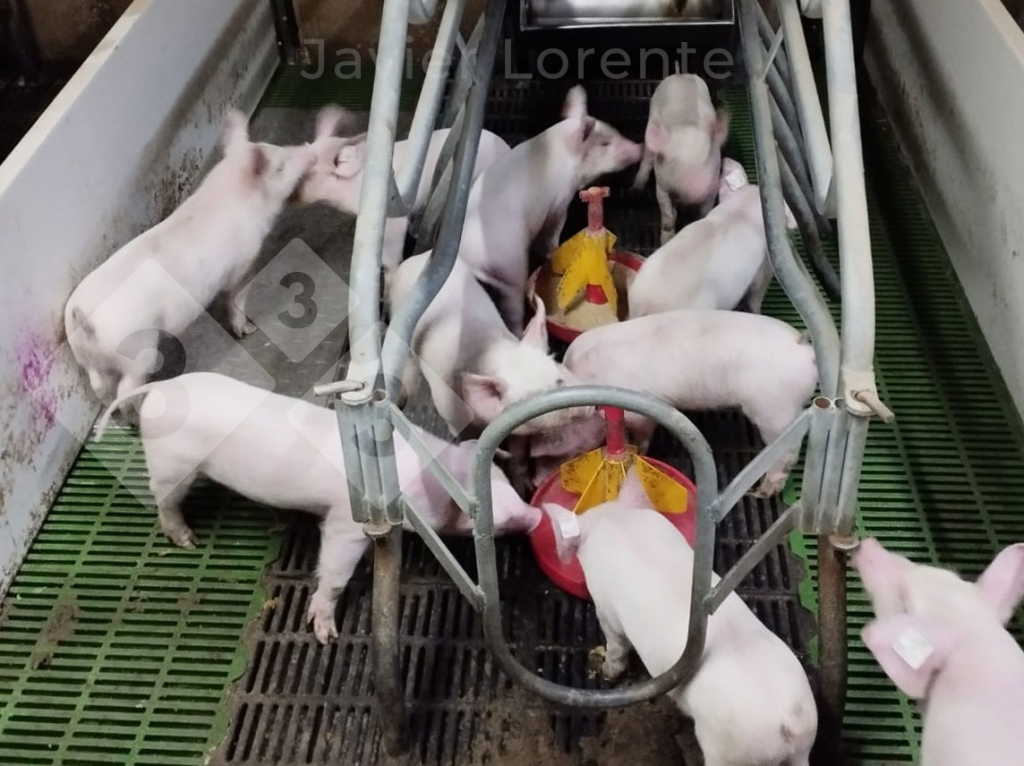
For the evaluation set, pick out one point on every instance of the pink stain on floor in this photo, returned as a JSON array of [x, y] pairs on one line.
[[36, 358]]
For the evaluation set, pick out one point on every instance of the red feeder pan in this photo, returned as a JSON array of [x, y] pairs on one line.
[[569, 577]]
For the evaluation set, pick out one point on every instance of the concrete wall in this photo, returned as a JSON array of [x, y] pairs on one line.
[[70, 29], [951, 74], [356, 23], [115, 152]]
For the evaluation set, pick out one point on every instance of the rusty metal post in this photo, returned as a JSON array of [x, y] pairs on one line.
[[833, 552], [387, 565]]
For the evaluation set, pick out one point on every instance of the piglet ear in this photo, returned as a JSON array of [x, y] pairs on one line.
[[575, 106], [720, 128], [484, 395], [351, 157], [911, 650], [566, 528], [1002, 584], [536, 333], [235, 131], [331, 120], [656, 137]]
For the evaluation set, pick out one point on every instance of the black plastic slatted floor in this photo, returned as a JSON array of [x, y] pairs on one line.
[[300, 703]]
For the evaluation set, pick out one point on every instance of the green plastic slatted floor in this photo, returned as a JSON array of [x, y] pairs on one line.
[[116, 648]]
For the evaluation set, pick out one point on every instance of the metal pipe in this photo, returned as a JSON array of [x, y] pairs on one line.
[[764, 545], [858, 317], [801, 291], [804, 214], [768, 37], [822, 409], [465, 76], [850, 482], [364, 287], [459, 576], [759, 466], [835, 459], [805, 93], [437, 469], [383, 434], [789, 146], [690, 437], [384, 646], [287, 27], [427, 108], [396, 342], [348, 432], [832, 648]]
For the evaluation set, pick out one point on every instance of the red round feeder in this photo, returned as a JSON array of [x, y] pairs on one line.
[[569, 576]]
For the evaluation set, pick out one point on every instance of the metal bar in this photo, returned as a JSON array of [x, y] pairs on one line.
[[768, 36], [704, 468], [384, 646], [426, 227], [383, 434], [460, 576], [764, 545], [789, 145], [437, 469], [805, 93], [364, 286], [803, 211], [858, 318], [759, 466], [835, 458], [348, 429], [427, 108], [814, 462], [832, 654], [801, 291], [465, 76], [850, 482], [287, 27], [399, 335]]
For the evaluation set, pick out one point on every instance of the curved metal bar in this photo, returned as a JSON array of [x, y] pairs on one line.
[[851, 200], [803, 211], [399, 334], [487, 571], [801, 290], [364, 319], [427, 108]]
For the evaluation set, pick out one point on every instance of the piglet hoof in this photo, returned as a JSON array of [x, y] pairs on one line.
[[241, 330], [183, 538], [596, 660], [322, 616]]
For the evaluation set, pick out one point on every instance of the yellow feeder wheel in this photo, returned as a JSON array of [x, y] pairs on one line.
[[582, 261], [597, 475]]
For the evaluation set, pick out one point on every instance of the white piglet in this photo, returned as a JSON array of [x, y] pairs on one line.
[[337, 177], [943, 642], [474, 365], [521, 201], [683, 144], [715, 262], [750, 700], [700, 360], [162, 280], [286, 453]]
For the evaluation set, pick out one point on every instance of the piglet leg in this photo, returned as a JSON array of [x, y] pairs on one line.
[[234, 302], [342, 545], [668, 214]]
